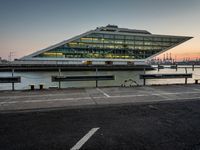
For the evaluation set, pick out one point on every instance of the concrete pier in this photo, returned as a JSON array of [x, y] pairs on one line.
[[95, 97]]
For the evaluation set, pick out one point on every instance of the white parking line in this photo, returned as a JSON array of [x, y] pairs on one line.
[[84, 139], [103, 92], [39, 101]]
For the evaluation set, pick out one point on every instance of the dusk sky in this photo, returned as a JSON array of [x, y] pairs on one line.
[[30, 25]]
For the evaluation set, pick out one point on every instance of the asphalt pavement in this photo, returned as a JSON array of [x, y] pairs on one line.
[[159, 126], [94, 97], [113, 118]]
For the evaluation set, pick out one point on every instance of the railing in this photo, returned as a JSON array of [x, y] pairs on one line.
[[176, 67], [12, 80], [165, 76], [82, 78]]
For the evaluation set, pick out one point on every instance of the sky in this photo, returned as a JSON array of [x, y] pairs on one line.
[[30, 25]]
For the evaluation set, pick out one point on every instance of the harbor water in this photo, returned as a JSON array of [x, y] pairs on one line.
[[36, 78]]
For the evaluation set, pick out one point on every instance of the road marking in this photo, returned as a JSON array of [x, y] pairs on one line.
[[12, 102], [38, 101], [103, 92], [155, 94], [196, 89], [124, 96], [51, 100], [44, 95], [84, 139]]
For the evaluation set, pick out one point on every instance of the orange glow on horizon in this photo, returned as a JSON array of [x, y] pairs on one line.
[[179, 56]]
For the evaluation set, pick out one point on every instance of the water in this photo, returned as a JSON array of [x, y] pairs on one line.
[[37, 78]]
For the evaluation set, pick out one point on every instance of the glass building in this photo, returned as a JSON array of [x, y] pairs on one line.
[[109, 44]]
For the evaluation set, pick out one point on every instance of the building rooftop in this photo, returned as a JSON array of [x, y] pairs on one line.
[[116, 29]]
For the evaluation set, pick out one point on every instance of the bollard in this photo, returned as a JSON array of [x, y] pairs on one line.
[[32, 86], [196, 81], [41, 86]]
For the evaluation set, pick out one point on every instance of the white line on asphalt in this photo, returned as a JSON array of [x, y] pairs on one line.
[[107, 95], [12, 102], [153, 94], [84, 139], [50, 100], [196, 89], [44, 95], [103, 92]]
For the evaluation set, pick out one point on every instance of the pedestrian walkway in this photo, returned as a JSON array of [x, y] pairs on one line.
[[84, 97]]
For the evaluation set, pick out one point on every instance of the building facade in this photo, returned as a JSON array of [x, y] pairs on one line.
[[108, 45]]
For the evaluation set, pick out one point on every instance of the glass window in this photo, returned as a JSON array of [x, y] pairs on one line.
[[174, 39], [119, 41], [82, 45], [166, 39], [166, 44], [157, 47], [129, 42], [138, 42], [148, 48], [108, 41], [140, 38], [157, 39], [157, 43], [73, 44], [86, 39], [108, 36], [98, 40], [95, 35], [130, 47], [147, 43], [119, 46], [128, 37], [139, 47], [109, 46], [147, 39], [119, 37]]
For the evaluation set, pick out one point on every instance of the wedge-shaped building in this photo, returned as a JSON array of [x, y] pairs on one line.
[[108, 45]]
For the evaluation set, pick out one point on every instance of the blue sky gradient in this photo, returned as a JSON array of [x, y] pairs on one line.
[[29, 25]]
